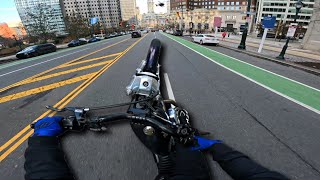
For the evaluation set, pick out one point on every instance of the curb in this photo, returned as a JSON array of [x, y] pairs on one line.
[[307, 69]]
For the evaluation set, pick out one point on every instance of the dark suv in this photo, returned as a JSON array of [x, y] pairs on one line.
[[177, 32], [135, 34], [36, 50]]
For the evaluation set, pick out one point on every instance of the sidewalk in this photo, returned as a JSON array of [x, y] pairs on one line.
[[271, 48], [293, 53]]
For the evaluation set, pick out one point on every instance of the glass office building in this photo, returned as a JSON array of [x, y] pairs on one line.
[[55, 19]]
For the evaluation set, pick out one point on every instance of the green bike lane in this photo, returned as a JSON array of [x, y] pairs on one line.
[[302, 94]]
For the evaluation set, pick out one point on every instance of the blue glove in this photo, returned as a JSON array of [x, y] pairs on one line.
[[204, 143], [48, 126]]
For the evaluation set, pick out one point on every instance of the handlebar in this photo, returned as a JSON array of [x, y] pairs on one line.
[[80, 121]]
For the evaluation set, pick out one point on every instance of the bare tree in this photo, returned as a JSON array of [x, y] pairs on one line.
[[40, 17], [77, 26]]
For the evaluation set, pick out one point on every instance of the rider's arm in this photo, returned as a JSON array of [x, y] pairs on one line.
[[44, 155], [240, 166], [45, 159]]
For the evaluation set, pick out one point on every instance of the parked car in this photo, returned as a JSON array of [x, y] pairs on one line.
[[205, 39], [110, 36], [177, 32], [135, 34], [74, 43], [93, 39], [83, 41], [36, 50], [143, 31]]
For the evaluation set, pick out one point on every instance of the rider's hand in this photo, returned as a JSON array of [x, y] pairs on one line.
[[203, 144], [48, 126]]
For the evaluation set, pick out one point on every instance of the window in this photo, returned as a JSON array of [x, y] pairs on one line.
[[234, 17], [228, 3], [222, 3], [228, 17], [237, 8], [219, 3], [237, 3], [227, 8], [232, 8], [232, 3]]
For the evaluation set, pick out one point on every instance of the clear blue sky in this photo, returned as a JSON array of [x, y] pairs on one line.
[[8, 12]]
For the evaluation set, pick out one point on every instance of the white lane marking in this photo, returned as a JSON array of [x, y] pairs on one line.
[[168, 85], [280, 94], [40, 63]]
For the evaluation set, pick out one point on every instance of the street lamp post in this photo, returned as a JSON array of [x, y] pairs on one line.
[[299, 5], [245, 31]]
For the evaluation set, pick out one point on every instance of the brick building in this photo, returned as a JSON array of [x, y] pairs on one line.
[[202, 12]]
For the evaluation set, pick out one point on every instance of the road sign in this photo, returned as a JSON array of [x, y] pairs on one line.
[[94, 20], [291, 31], [268, 22], [217, 22]]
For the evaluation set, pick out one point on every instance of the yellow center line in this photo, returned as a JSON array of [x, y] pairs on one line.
[[89, 60], [63, 73], [57, 67], [44, 88], [66, 99]]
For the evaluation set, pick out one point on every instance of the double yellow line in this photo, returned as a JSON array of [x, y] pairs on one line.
[[62, 103], [25, 81]]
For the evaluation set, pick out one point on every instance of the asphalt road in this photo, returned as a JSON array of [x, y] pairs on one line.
[[255, 117]]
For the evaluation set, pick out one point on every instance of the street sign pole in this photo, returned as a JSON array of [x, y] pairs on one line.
[[263, 39], [216, 31], [267, 23]]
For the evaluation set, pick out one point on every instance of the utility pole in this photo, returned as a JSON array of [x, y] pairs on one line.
[[245, 31]]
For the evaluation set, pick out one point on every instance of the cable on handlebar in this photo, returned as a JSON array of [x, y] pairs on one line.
[[123, 104]]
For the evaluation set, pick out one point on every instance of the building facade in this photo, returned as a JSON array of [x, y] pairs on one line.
[[284, 10], [201, 13], [128, 10], [168, 6], [311, 39], [150, 6], [27, 7], [107, 11], [152, 20], [178, 5]]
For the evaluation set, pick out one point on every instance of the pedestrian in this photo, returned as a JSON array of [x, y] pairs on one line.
[[224, 35]]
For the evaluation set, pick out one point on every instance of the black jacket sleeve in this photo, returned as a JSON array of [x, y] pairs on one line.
[[239, 166], [45, 160]]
